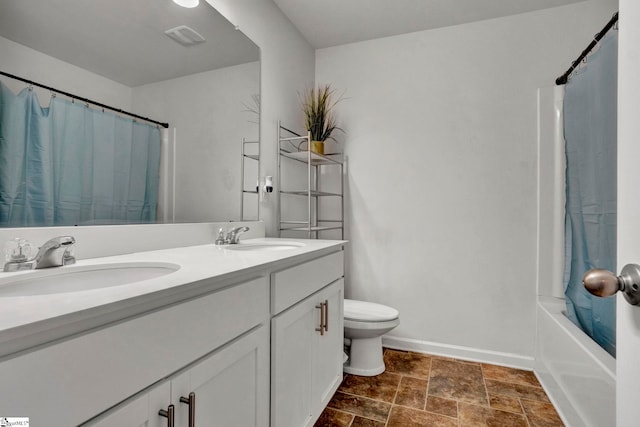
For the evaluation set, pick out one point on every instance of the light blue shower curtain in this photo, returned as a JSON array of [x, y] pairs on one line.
[[69, 164], [590, 132]]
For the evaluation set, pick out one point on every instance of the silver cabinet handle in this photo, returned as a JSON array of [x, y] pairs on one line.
[[322, 313], [169, 414], [326, 315], [191, 401], [603, 283]]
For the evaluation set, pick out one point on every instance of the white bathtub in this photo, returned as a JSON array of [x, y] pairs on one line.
[[577, 374]]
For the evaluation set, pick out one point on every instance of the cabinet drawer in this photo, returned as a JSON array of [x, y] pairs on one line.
[[296, 283], [69, 382]]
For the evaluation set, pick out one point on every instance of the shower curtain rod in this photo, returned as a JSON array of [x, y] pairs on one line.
[[565, 77], [89, 101]]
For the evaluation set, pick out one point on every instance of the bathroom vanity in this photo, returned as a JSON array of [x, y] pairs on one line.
[[236, 336]]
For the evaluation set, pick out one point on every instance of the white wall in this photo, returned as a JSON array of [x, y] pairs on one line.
[[207, 111], [287, 67], [441, 192], [33, 65]]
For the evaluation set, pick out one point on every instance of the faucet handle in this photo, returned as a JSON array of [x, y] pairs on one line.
[[68, 257], [17, 254], [221, 239], [18, 250]]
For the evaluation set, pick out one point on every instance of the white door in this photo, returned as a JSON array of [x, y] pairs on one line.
[[628, 317], [142, 411], [292, 345], [328, 348], [231, 386]]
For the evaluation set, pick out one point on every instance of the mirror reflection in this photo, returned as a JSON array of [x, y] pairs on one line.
[[188, 67]]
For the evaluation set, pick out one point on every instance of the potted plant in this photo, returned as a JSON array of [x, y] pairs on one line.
[[317, 105]]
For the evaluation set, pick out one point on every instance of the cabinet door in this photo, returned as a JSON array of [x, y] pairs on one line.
[[141, 411], [231, 385], [328, 348], [292, 340]]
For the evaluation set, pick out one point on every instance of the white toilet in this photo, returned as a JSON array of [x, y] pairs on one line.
[[364, 325]]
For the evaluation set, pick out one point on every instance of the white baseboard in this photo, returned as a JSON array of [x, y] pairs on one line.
[[459, 352]]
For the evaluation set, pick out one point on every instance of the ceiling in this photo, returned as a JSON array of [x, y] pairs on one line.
[[326, 23], [124, 40]]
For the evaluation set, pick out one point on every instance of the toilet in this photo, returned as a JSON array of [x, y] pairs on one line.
[[364, 325]]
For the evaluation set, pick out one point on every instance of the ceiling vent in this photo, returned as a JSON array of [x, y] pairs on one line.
[[185, 35]]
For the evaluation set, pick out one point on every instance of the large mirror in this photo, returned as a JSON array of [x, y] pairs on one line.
[[117, 52]]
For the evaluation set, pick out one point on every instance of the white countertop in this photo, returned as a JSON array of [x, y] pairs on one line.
[[26, 321]]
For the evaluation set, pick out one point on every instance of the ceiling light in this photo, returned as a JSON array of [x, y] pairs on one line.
[[187, 3]]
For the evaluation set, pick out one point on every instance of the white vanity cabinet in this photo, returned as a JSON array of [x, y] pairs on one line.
[[215, 345], [306, 339], [234, 340]]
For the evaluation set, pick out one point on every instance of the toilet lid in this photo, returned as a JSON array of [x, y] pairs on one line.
[[368, 311]]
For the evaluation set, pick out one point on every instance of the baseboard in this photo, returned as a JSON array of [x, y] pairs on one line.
[[459, 352]]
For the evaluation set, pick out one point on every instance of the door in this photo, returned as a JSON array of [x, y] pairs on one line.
[[138, 412], [328, 348], [628, 317], [292, 340], [230, 387]]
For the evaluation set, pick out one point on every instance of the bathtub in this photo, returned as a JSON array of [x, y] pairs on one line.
[[577, 374]]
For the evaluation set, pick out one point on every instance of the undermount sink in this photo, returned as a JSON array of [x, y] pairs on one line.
[[265, 246], [82, 278]]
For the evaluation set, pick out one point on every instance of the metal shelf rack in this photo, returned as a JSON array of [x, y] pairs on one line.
[[251, 158], [294, 147]]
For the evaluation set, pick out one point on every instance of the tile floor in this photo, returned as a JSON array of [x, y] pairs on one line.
[[421, 390]]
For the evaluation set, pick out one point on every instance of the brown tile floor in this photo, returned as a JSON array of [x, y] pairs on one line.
[[422, 390]]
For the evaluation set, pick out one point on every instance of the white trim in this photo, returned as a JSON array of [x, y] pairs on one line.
[[459, 352], [560, 400]]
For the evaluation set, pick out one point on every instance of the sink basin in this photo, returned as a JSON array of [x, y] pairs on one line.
[[265, 246], [82, 278]]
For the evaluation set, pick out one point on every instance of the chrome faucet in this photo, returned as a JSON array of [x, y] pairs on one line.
[[231, 237], [55, 252]]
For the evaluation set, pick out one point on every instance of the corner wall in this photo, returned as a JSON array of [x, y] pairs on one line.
[[441, 140]]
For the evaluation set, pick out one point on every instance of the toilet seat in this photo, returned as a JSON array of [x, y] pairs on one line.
[[363, 311]]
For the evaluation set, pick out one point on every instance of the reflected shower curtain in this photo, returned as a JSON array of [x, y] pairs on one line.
[[69, 164], [590, 114]]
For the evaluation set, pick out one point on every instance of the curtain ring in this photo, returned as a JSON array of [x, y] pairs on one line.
[[583, 63], [30, 87], [53, 94]]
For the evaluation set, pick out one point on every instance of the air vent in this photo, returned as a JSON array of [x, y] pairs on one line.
[[185, 35]]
